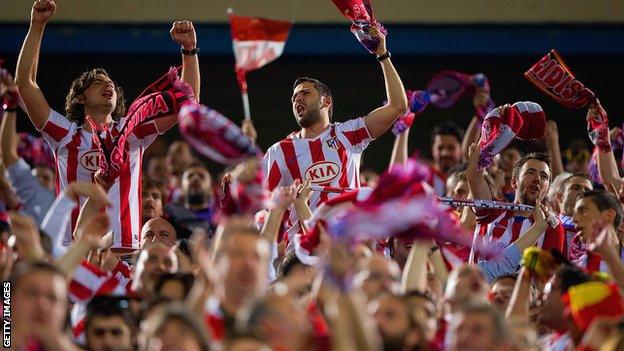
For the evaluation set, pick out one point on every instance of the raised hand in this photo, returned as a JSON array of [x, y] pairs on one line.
[[93, 229], [249, 130], [376, 33], [283, 196], [183, 33], [93, 191], [540, 213], [27, 236], [304, 191], [42, 11]]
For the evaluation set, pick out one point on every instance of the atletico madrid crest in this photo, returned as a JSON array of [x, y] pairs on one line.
[[333, 143]]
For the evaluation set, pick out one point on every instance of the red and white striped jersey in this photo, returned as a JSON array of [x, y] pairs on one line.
[[437, 180], [503, 227], [330, 159], [89, 281], [76, 159]]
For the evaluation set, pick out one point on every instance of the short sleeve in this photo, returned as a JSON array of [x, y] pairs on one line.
[[58, 129], [354, 134]]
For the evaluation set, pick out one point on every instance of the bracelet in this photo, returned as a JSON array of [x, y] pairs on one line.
[[193, 51], [387, 55]]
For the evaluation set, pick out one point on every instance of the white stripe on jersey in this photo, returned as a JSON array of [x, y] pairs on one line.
[[76, 156], [331, 159]]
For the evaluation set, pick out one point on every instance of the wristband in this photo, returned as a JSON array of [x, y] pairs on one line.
[[10, 101], [193, 51], [387, 55]]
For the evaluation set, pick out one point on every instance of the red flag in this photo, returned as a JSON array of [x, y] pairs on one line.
[[362, 17], [257, 41], [552, 76], [356, 10]]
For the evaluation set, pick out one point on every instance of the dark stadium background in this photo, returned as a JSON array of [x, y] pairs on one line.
[[135, 55]]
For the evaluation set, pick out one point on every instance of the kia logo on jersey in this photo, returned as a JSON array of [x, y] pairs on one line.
[[89, 160], [322, 172]]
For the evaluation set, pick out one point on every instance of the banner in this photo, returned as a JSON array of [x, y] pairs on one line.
[[552, 76]]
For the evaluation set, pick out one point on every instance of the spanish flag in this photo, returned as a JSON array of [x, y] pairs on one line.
[[593, 299]]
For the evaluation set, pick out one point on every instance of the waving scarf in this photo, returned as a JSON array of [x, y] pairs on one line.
[[162, 98]]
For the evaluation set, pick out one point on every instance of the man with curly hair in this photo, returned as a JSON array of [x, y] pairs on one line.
[[96, 95]]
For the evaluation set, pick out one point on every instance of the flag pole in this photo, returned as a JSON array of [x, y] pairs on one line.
[[242, 83]]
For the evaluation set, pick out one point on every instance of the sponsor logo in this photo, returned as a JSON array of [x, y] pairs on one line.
[[322, 172], [89, 160]]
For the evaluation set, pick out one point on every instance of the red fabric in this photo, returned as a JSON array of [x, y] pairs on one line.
[[552, 76], [355, 10], [610, 306], [254, 28], [320, 327], [56, 132]]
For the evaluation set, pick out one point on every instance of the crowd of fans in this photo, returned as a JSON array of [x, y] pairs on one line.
[[171, 255]]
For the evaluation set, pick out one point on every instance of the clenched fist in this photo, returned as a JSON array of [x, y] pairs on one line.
[[42, 11], [183, 33]]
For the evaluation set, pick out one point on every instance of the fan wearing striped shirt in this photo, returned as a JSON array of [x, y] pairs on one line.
[[95, 94], [530, 180], [326, 153]]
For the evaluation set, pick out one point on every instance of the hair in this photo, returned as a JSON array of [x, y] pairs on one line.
[[75, 110], [539, 156], [151, 183], [109, 306], [512, 276], [178, 312], [186, 279], [575, 175], [24, 268], [447, 128], [556, 186], [606, 201], [289, 262], [424, 295], [570, 275], [322, 89], [501, 331], [238, 226]]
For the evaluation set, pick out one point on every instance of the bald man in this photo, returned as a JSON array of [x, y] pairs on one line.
[[158, 230]]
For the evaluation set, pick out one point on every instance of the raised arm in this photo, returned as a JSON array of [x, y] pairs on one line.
[[399, 150], [476, 181], [414, 276], [380, 119], [183, 33], [607, 165], [8, 136], [554, 150], [26, 74]]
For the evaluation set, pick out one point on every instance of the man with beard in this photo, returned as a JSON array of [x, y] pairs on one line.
[[198, 205], [446, 139], [530, 181], [572, 188], [325, 153]]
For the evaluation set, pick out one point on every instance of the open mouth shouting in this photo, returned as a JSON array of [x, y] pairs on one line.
[[300, 108], [108, 93]]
